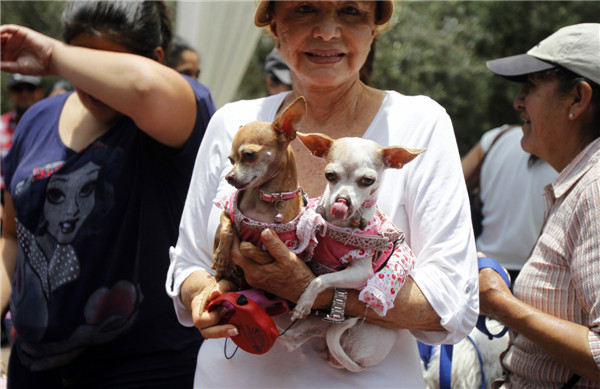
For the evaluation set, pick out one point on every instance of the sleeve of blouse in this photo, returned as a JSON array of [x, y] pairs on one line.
[[442, 236], [586, 263], [194, 246]]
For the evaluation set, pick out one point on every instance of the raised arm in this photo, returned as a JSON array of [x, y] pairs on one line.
[[156, 97]]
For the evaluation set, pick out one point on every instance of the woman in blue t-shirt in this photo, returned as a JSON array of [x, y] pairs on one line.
[[96, 183]]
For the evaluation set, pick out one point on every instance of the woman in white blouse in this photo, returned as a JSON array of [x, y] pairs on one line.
[[325, 44]]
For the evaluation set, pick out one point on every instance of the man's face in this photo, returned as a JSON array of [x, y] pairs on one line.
[[24, 95]]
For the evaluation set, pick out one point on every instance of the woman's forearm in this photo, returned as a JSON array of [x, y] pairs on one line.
[[564, 341], [144, 90], [412, 311]]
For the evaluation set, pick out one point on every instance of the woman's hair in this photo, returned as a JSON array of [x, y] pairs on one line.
[[567, 80], [140, 26], [178, 46]]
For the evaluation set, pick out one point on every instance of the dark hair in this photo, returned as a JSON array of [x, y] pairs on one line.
[[140, 26], [178, 46], [567, 80]]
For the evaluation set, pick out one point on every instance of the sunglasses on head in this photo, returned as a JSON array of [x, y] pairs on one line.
[[23, 87]]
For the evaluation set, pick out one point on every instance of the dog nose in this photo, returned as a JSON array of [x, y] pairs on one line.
[[230, 178]]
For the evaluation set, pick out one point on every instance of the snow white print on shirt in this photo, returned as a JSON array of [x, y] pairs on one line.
[[73, 198]]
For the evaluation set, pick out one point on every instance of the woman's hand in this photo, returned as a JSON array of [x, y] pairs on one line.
[[25, 51], [492, 288], [279, 271], [197, 291]]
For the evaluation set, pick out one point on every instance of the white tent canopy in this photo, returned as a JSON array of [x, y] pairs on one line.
[[224, 34]]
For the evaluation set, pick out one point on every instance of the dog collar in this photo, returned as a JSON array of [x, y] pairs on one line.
[[368, 204], [278, 199], [274, 197]]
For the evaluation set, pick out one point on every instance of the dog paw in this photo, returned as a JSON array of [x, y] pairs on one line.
[[301, 311]]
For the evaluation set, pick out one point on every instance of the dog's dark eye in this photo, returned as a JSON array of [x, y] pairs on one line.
[[231, 160], [330, 176], [248, 156], [367, 181]]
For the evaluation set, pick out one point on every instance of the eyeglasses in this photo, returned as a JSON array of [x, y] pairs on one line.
[[23, 87]]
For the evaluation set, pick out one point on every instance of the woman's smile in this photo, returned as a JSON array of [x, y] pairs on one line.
[[325, 56]]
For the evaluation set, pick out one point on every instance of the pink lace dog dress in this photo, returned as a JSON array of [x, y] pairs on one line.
[[249, 230], [330, 248]]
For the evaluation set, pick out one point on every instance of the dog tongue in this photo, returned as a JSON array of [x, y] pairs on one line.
[[339, 209]]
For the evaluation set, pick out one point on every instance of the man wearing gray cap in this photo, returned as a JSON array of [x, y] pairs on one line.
[[554, 314], [277, 74]]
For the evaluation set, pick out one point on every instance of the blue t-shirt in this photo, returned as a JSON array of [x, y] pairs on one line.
[[94, 231]]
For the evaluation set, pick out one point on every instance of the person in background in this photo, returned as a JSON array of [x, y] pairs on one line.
[[554, 314], [96, 182], [278, 77], [60, 86], [325, 44], [512, 185], [24, 91], [183, 58]]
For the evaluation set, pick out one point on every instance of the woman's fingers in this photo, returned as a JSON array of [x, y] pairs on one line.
[[276, 247], [25, 51], [278, 271], [259, 256], [208, 324]]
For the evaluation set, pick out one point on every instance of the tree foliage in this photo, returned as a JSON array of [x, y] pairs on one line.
[[41, 16], [433, 48], [439, 49]]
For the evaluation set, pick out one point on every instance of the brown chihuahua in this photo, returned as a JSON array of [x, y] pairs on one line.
[[268, 196]]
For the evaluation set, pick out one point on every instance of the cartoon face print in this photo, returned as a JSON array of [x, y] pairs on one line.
[[70, 198]]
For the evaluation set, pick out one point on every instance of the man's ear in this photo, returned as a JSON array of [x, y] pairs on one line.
[[582, 98]]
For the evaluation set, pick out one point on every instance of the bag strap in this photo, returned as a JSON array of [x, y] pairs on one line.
[[446, 365], [473, 179]]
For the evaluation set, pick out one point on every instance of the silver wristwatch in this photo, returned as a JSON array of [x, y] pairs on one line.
[[338, 306]]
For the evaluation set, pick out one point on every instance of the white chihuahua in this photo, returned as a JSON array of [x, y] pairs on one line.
[[355, 239]]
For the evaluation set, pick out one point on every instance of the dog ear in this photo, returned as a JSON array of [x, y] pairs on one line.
[[318, 144], [398, 156], [287, 122]]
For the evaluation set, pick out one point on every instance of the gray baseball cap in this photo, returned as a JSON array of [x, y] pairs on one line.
[[16, 78], [276, 66], [576, 48]]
